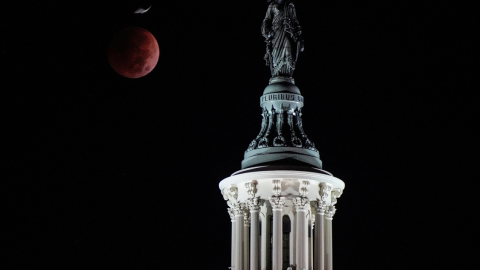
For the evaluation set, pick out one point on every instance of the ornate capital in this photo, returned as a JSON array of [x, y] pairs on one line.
[[238, 209], [277, 202], [301, 203], [251, 188], [336, 193], [322, 203], [304, 188], [320, 206], [277, 187], [330, 212], [254, 204], [232, 214]]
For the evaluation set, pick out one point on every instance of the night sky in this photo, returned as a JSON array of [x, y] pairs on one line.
[[105, 172]]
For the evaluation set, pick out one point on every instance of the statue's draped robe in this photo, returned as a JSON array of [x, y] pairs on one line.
[[284, 24]]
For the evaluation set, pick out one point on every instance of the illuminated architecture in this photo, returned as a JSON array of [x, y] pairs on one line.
[[281, 203]]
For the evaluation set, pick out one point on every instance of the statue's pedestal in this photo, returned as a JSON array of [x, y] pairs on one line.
[[282, 85], [281, 136]]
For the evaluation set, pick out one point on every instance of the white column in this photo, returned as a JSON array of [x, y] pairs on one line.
[[319, 249], [246, 240], [301, 204], [292, 246], [321, 207], [328, 237], [232, 218], [238, 210], [254, 205], [310, 244], [266, 240], [277, 209]]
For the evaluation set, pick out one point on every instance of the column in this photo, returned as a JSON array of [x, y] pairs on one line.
[[265, 242], [328, 237], [254, 205], [238, 210], [277, 209], [232, 218], [246, 240], [310, 244], [301, 204], [321, 207], [319, 249]]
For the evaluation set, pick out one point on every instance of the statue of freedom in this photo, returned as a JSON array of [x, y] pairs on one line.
[[282, 32]]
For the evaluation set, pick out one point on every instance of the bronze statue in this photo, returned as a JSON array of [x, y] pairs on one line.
[[282, 32]]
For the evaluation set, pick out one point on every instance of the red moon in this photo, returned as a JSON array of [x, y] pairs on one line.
[[133, 52]]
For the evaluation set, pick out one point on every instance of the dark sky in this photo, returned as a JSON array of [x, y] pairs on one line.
[[115, 173]]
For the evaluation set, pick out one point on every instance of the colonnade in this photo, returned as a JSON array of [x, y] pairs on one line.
[[251, 244]]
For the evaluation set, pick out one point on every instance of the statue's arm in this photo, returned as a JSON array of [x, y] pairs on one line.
[[296, 25], [267, 23]]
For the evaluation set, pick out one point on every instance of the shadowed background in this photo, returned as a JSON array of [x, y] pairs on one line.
[[111, 172]]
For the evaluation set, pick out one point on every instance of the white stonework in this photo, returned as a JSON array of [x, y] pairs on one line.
[[259, 199]]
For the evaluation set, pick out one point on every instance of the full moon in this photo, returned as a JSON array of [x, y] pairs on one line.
[[133, 52]]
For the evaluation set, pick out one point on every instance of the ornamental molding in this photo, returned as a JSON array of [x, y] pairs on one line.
[[230, 194], [238, 208], [251, 188], [254, 204], [301, 203], [336, 193], [313, 177], [320, 207], [330, 212], [322, 203], [304, 188], [232, 214], [277, 202], [324, 191], [277, 187]]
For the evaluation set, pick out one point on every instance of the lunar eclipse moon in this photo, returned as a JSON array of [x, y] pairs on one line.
[[133, 52]]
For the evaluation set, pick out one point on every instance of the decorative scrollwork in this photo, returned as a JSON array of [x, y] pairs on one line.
[[230, 193], [306, 142], [254, 204], [336, 193], [254, 143], [291, 135], [322, 203], [264, 141], [295, 140], [277, 189], [251, 188], [232, 214], [324, 191], [301, 203], [238, 209], [330, 212], [277, 202], [304, 188], [279, 140]]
